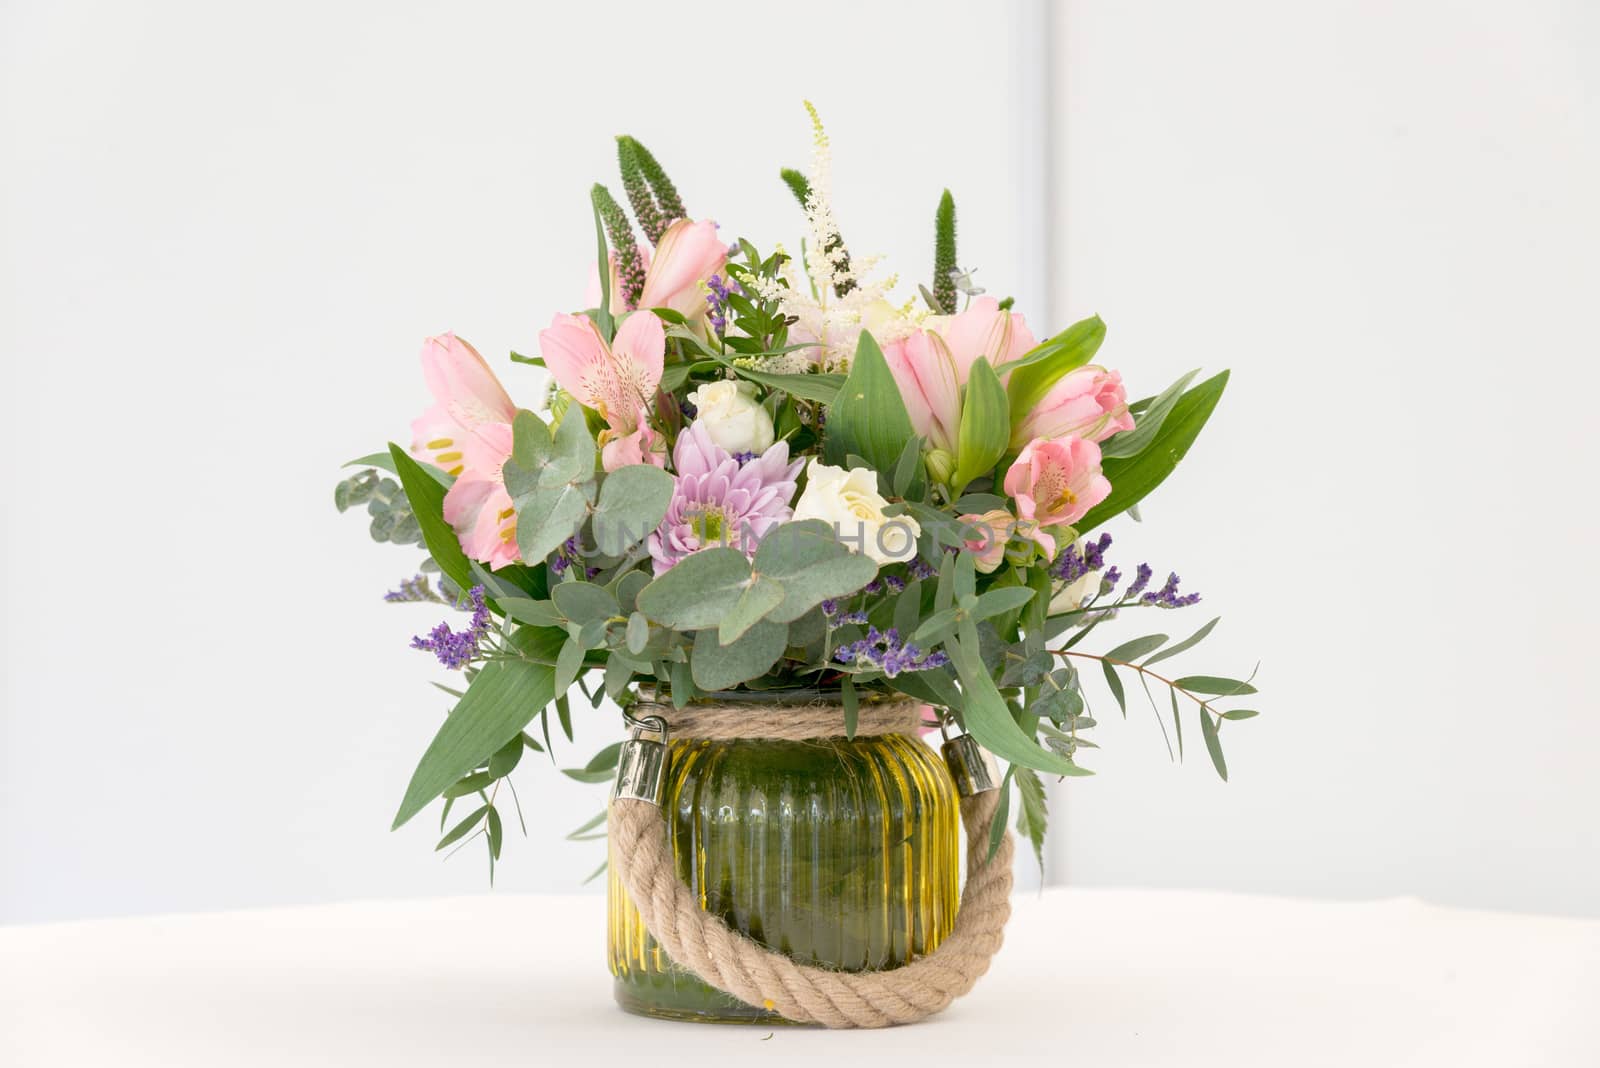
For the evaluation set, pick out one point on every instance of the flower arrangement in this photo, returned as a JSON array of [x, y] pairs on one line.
[[759, 471]]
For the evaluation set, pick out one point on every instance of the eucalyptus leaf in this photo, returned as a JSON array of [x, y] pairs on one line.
[[721, 667], [699, 591], [1130, 651], [757, 600], [1213, 744], [1188, 643], [584, 602], [633, 501], [809, 568], [1214, 684]]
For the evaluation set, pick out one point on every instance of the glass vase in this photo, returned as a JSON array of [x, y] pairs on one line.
[[839, 853]]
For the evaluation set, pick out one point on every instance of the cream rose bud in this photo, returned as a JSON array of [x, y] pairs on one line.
[[850, 503], [732, 416]]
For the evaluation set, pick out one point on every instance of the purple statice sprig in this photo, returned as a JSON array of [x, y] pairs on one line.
[[717, 301], [886, 651], [1074, 563], [455, 649], [414, 590], [838, 616]]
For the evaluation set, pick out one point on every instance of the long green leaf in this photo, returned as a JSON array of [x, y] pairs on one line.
[[868, 418], [985, 713], [1133, 478], [1035, 371], [503, 698], [985, 424], [426, 496]]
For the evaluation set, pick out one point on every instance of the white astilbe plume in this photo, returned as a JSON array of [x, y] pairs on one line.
[[827, 323]]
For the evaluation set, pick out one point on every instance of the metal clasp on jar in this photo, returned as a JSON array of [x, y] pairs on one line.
[[973, 769], [642, 763]]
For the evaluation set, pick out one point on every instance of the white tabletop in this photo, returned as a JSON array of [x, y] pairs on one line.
[[1096, 977]]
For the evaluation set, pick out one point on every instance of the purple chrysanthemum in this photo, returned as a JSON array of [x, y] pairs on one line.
[[456, 649], [718, 501]]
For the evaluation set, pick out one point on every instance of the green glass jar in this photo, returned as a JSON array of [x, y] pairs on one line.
[[840, 853]]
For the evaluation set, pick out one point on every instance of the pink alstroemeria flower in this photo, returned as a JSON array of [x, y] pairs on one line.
[[989, 534], [688, 253], [1086, 403], [1056, 481], [931, 365], [467, 433], [618, 380]]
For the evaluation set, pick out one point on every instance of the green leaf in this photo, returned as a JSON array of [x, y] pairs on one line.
[[1240, 713], [1130, 651], [534, 613], [935, 627], [459, 831], [604, 319], [810, 567], [758, 599], [1031, 821], [551, 490], [584, 602], [721, 667], [1177, 720], [568, 664], [426, 497], [638, 633], [506, 758], [852, 705], [985, 424], [907, 468], [985, 713], [1133, 442], [1213, 744], [1035, 371], [821, 388], [868, 417], [600, 768], [1000, 600], [1115, 683], [503, 698], [497, 832], [598, 820], [471, 784], [1002, 813], [699, 591], [386, 462], [1188, 643], [633, 501], [626, 588], [1133, 478], [1214, 684]]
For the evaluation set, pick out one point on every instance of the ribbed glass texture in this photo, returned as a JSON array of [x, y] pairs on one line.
[[838, 853]]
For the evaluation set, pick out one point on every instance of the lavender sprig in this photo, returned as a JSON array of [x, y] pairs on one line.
[[456, 649]]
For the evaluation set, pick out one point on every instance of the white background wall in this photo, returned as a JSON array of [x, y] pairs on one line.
[[226, 231], [1383, 217]]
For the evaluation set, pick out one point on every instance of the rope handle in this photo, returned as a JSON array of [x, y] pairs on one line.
[[739, 966]]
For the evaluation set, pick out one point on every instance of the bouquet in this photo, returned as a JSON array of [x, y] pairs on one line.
[[764, 470]]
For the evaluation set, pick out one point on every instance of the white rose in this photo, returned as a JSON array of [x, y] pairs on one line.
[[732, 416], [849, 501]]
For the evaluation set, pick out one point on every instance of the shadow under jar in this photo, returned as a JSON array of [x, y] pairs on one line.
[[839, 853]]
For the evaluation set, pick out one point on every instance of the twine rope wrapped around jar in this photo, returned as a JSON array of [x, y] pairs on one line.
[[740, 966]]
